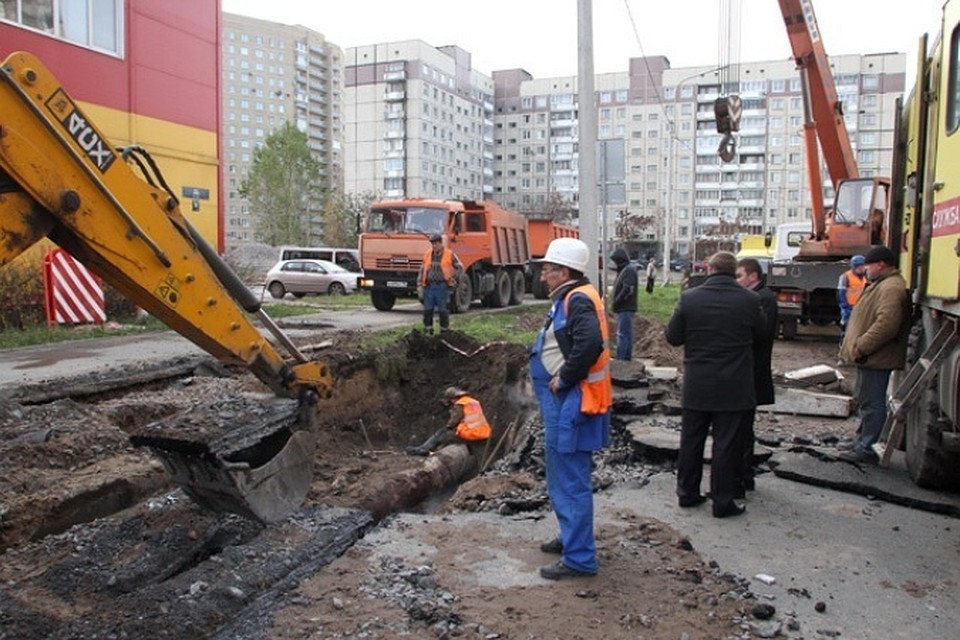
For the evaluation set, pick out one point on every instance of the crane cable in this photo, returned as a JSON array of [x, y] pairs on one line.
[[727, 109]]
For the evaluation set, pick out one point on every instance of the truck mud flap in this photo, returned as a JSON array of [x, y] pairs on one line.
[[251, 455]]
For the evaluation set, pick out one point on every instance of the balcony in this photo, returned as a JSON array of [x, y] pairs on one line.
[[394, 114], [395, 75], [392, 135], [395, 96]]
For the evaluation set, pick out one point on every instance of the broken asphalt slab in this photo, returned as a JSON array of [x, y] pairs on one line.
[[816, 466], [822, 468]]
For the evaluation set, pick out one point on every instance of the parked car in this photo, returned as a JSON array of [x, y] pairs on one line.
[[301, 277], [679, 264]]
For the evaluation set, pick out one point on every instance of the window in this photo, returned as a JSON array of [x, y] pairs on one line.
[[91, 23], [953, 83]]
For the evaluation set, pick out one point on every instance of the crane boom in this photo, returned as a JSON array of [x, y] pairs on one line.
[[825, 105]]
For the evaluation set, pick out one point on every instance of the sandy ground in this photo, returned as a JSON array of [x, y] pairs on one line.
[[96, 543]]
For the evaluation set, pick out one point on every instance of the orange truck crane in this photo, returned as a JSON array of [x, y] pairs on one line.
[[495, 246], [806, 286]]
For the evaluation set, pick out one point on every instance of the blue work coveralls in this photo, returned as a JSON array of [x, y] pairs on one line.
[[570, 435]]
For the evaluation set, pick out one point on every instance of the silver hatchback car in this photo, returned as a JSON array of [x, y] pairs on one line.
[[301, 277]]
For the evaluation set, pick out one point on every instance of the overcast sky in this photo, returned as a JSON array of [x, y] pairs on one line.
[[541, 35]]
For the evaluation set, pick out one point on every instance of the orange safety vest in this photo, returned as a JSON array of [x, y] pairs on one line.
[[597, 387], [446, 265], [474, 425], [855, 286]]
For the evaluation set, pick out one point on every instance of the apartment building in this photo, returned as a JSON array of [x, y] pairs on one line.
[[418, 122], [665, 119], [273, 73]]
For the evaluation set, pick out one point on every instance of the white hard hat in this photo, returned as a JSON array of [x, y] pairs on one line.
[[568, 252]]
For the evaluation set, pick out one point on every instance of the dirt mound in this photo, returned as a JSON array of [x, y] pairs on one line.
[[649, 341]]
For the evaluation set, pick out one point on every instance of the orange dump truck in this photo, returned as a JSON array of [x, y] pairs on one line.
[[542, 231], [491, 242]]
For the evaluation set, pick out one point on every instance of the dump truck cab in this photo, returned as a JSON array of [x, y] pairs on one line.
[[490, 242]]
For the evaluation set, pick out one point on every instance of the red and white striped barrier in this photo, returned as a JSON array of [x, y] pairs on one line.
[[72, 295]]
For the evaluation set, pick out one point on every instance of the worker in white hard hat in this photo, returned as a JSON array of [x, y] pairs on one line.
[[570, 371]]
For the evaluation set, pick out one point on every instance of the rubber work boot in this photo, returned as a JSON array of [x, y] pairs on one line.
[[552, 546], [559, 570], [444, 321], [417, 451]]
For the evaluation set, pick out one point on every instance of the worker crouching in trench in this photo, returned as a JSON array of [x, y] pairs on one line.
[[467, 425]]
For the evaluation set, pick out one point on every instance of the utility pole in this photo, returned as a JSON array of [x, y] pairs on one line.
[[587, 118]]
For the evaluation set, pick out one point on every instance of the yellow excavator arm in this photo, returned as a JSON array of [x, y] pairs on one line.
[[61, 179]]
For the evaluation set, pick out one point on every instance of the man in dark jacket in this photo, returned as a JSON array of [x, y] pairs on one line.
[[750, 276], [876, 341], [717, 323], [624, 303]]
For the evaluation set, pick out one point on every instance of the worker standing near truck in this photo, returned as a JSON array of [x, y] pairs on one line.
[[438, 276], [849, 289], [877, 343]]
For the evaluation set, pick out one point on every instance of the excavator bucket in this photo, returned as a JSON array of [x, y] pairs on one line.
[[251, 455]]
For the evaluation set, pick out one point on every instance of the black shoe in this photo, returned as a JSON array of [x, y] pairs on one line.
[[749, 484], [696, 501], [417, 451], [553, 546], [732, 509], [859, 457], [559, 570]]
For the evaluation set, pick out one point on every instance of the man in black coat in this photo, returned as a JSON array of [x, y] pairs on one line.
[[624, 303], [750, 276], [717, 324]]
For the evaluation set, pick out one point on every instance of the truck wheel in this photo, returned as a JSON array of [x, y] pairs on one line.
[[276, 290], [382, 300], [789, 328], [518, 286], [929, 465], [539, 289], [462, 295], [500, 295]]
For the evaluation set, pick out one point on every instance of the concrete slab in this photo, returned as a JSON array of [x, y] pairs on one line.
[[817, 374], [809, 403], [664, 444], [628, 374], [821, 467], [663, 373]]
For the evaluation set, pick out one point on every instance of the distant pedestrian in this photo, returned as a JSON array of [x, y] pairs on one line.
[[849, 289], [876, 341], [570, 371], [717, 324], [438, 275], [750, 276], [624, 303], [651, 275]]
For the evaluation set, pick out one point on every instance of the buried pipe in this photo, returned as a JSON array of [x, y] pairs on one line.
[[449, 466]]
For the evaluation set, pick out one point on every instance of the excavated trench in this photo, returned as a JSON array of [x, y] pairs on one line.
[[126, 554]]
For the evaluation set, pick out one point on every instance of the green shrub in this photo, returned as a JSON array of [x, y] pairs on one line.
[[21, 295]]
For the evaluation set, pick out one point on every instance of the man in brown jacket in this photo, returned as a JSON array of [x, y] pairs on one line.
[[876, 341]]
